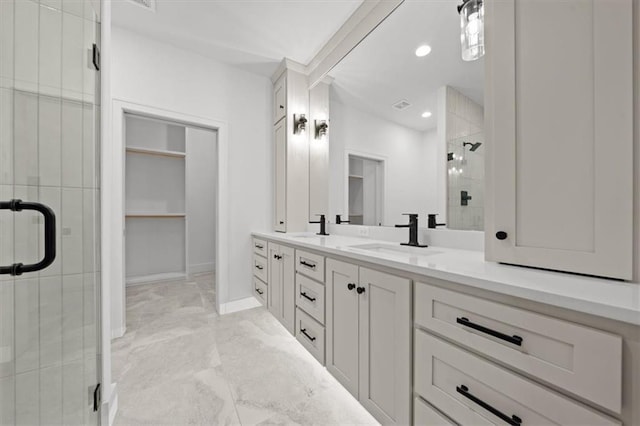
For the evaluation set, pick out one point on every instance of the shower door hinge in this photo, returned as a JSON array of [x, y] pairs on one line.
[[97, 397]]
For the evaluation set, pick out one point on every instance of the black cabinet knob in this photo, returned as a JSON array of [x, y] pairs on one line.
[[360, 290], [501, 235], [351, 286]]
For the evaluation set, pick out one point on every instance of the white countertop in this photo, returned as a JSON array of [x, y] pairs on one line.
[[601, 297]]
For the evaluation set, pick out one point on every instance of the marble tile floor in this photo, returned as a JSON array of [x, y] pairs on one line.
[[181, 364]]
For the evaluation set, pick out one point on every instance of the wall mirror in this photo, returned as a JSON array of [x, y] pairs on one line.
[[407, 130]]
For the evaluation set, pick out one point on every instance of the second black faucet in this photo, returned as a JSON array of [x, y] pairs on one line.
[[413, 231]]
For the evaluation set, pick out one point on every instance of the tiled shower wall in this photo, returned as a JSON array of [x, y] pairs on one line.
[[49, 147], [465, 123]]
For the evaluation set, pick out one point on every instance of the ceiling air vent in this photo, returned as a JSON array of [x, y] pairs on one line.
[[147, 4], [401, 105]]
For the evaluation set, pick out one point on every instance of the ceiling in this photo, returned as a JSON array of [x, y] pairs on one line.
[[252, 34], [384, 69]]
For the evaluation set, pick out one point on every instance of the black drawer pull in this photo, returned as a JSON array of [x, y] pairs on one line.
[[259, 246], [259, 291], [351, 286], [260, 267], [275, 256], [360, 290], [304, 331], [303, 294], [307, 264], [516, 340], [513, 420]]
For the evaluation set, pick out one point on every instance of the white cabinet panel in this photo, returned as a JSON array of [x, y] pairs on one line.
[[385, 346], [425, 415], [280, 99], [260, 291], [281, 272], [275, 281], [311, 334], [310, 297], [582, 360], [260, 247], [281, 177], [311, 265], [459, 383], [560, 163], [342, 323], [260, 267]]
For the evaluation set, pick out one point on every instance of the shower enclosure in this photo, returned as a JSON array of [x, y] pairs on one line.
[[49, 212]]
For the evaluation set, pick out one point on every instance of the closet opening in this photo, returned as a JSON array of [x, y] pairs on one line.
[[170, 183]]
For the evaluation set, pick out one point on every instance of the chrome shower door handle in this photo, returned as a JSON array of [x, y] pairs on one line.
[[49, 236]]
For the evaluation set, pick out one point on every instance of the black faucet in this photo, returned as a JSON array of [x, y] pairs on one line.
[[413, 231], [339, 220], [323, 223], [432, 221]]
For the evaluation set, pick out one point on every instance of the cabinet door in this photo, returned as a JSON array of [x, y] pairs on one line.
[[559, 117], [275, 281], [281, 176], [288, 283], [385, 346], [280, 99], [342, 323]]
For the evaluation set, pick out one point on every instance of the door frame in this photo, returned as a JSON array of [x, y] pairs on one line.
[[113, 187]]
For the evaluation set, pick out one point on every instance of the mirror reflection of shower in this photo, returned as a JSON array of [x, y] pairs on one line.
[[459, 161], [473, 146]]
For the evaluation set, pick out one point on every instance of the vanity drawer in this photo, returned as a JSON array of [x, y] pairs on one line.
[[260, 247], [582, 360], [260, 290], [310, 297], [311, 334], [311, 265], [473, 391], [260, 267], [425, 415]]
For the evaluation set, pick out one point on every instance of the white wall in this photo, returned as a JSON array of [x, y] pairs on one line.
[[410, 162], [201, 199], [154, 74]]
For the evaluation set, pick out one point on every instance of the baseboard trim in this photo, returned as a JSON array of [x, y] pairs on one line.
[[239, 305], [200, 268]]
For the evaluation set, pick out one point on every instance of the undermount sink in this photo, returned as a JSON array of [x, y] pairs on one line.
[[306, 236], [396, 250]]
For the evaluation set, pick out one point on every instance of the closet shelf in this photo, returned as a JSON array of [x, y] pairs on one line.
[[160, 152], [154, 215]]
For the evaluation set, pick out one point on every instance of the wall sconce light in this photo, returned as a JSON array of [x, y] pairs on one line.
[[472, 29], [321, 128], [299, 123]]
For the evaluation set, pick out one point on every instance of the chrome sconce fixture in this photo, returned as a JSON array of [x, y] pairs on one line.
[[299, 123], [321, 128], [472, 29]]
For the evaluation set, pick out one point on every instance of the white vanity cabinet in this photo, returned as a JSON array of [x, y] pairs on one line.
[[464, 377], [559, 119], [368, 317], [291, 150], [281, 272]]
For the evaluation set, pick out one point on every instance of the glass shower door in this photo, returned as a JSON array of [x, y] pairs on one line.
[[49, 212]]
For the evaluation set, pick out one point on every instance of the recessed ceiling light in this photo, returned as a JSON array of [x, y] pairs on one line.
[[423, 50], [426, 114]]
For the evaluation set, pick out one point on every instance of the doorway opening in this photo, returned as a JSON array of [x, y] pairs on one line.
[[170, 181], [365, 190]]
